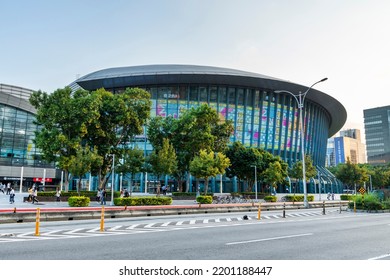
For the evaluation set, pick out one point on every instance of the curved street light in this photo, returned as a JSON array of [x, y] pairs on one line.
[[300, 99]]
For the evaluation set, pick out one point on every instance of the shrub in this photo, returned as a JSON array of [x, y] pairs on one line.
[[183, 194], [370, 202], [373, 205], [78, 201], [270, 198], [386, 204], [142, 200], [298, 198], [204, 199], [346, 197]]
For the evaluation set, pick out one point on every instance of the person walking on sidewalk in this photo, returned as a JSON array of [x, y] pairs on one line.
[[8, 189], [58, 195], [12, 196], [103, 197], [34, 195]]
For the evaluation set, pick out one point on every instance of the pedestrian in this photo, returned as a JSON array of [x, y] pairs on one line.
[[30, 194], [35, 195], [12, 196], [125, 193], [98, 195], [8, 188], [103, 197], [332, 196], [58, 195], [328, 196], [164, 189], [1, 187]]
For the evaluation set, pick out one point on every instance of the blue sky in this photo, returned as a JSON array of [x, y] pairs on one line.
[[47, 44]]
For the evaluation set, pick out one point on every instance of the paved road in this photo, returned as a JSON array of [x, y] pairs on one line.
[[303, 235]]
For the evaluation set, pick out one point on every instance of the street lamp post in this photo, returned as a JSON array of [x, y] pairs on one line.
[[255, 181], [300, 99], [112, 180]]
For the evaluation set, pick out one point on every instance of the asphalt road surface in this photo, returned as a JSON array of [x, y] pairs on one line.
[[304, 234]]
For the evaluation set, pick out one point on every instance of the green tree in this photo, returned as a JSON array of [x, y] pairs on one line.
[[380, 175], [163, 161], [81, 163], [63, 117], [120, 118], [99, 119], [132, 162], [352, 175], [297, 172], [196, 129], [275, 173], [243, 161], [207, 164]]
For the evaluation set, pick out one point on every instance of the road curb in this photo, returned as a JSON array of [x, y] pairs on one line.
[[21, 215]]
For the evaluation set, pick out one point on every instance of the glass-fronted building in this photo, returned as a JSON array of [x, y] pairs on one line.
[[377, 130], [20, 161], [262, 118]]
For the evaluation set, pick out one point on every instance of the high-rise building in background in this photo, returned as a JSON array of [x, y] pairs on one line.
[[377, 130], [347, 146]]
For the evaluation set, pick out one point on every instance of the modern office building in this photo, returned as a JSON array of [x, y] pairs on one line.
[[347, 146], [377, 130], [20, 161], [262, 118]]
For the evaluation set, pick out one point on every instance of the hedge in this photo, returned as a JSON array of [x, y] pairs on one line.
[[204, 199], [298, 198], [142, 200], [78, 201], [348, 197], [270, 198]]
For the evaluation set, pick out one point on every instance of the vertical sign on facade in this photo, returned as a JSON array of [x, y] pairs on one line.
[[339, 150]]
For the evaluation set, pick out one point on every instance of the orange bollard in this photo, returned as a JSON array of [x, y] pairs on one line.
[[102, 220], [37, 221], [259, 212]]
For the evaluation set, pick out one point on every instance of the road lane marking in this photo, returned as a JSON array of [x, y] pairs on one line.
[[269, 239], [379, 257], [133, 226]]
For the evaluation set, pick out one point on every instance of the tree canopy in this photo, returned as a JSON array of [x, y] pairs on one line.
[[208, 164], [199, 128], [71, 121]]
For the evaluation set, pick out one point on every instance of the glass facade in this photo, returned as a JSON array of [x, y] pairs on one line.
[[261, 117], [16, 138], [17, 129], [377, 130]]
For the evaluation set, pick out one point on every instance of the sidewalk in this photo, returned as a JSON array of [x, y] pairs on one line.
[[5, 204]]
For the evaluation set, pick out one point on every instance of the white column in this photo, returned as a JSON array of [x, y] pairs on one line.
[[44, 177], [220, 185], [62, 179], [21, 179], [146, 182]]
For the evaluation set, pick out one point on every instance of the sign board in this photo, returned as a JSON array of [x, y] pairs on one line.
[[47, 180], [362, 190]]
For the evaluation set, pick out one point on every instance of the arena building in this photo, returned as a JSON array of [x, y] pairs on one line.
[[262, 117], [20, 162]]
